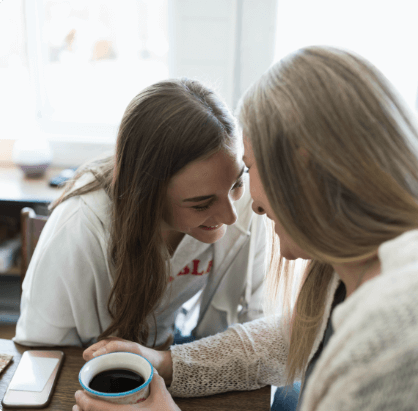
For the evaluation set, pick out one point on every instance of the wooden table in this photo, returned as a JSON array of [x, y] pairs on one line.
[[15, 186], [63, 397]]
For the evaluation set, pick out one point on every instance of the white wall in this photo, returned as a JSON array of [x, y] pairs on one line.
[[384, 32], [226, 43]]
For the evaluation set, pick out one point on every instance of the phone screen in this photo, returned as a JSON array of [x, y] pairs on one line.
[[33, 373]]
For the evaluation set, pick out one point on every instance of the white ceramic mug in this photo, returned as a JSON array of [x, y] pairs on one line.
[[118, 360]]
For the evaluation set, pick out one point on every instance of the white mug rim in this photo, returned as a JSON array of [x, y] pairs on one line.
[[120, 394]]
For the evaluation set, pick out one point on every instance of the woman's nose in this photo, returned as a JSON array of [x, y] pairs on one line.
[[229, 214], [258, 209]]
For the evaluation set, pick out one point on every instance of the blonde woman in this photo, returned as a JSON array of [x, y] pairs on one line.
[[333, 160]]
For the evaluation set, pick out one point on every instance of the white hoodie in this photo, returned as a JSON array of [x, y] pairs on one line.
[[68, 282]]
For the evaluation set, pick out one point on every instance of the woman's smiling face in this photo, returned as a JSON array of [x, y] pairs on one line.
[[201, 197]]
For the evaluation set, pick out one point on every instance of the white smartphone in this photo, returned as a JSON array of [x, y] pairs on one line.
[[34, 379]]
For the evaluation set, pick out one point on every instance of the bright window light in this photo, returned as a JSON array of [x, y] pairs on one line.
[[16, 99], [100, 53], [70, 67], [385, 32]]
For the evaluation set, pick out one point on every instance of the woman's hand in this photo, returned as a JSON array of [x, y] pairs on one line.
[[158, 400], [161, 360]]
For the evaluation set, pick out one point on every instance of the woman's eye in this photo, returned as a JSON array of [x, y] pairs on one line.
[[238, 184], [202, 208]]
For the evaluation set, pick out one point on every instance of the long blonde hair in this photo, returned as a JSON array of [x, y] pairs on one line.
[[337, 154], [165, 127]]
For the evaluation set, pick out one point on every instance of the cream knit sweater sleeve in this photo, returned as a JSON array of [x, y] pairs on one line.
[[244, 357]]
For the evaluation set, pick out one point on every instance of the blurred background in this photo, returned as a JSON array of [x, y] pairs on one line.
[[68, 68]]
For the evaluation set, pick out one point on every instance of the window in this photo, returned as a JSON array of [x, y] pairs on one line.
[[16, 103], [94, 57], [384, 32], [68, 68]]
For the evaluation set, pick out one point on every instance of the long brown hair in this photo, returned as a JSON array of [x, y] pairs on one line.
[[165, 127], [337, 152]]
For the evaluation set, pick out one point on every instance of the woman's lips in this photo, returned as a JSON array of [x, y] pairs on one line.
[[210, 228]]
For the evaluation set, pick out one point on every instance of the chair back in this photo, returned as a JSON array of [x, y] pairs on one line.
[[31, 228]]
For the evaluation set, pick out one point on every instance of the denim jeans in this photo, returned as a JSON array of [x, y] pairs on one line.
[[181, 339], [286, 400]]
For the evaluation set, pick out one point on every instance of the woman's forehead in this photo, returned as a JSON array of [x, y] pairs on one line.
[[207, 176]]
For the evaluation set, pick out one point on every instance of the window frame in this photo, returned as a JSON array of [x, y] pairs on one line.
[[75, 143]]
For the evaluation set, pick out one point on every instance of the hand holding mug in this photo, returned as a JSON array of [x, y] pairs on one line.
[[161, 360], [159, 399]]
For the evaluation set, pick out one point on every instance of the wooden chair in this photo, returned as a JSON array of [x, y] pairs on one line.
[[31, 227]]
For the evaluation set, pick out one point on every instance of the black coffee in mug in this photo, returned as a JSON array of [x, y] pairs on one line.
[[116, 381]]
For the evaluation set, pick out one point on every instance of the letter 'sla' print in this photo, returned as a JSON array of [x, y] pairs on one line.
[[195, 269]]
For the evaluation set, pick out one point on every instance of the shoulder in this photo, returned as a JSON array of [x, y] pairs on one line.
[[92, 209], [374, 348], [389, 299], [74, 226], [383, 310]]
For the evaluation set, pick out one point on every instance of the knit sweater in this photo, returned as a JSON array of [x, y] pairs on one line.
[[370, 362]]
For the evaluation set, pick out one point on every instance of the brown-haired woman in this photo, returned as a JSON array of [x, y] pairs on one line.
[[332, 154], [138, 234]]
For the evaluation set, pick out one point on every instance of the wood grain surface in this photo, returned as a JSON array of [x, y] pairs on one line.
[[67, 385]]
